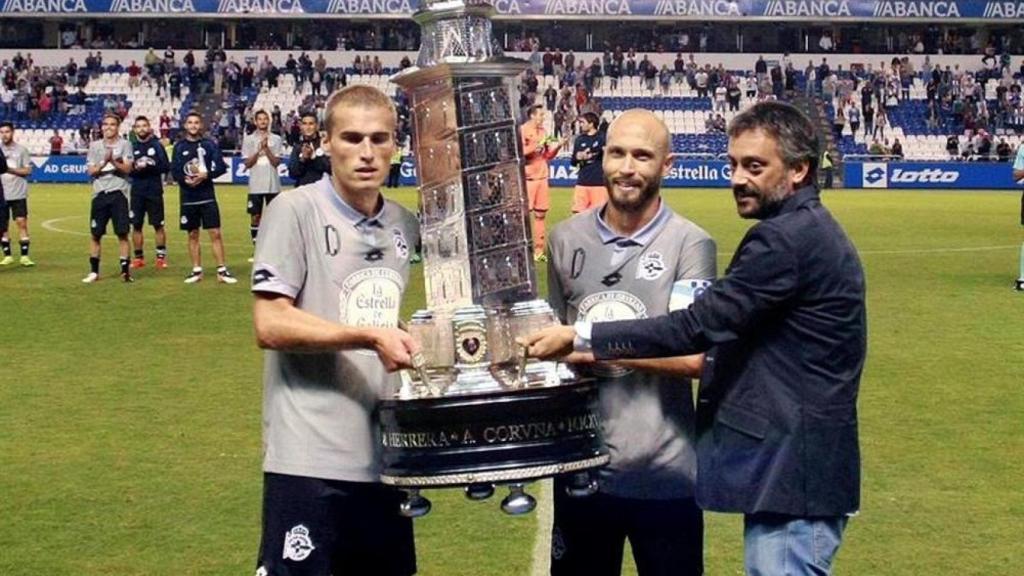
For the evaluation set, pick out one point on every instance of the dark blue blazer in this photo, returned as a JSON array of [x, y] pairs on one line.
[[785, 335]]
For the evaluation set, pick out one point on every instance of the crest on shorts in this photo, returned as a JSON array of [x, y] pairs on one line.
[[401, 245], [297, 544], [650, 267]]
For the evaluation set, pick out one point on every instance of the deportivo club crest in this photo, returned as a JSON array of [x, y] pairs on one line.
[[401, 245], [297, 544], [650, 267]]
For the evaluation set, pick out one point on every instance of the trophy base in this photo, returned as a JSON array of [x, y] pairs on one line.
[[500, 437]]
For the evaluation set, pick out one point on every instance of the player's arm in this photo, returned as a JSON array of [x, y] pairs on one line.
[[272, 154], [217, 165], [281, 326], [178, 165], [3, 163], [124, 163], [26, 165], [162, 163], [94, 162], [530, 147], [1018, 164], [250, 153], [296, 164]]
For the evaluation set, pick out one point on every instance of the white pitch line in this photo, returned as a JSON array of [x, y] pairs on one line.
[[51, 225], [545, 517]]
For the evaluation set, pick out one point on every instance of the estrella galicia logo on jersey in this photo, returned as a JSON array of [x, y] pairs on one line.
[[650, 267], [332, 242], [262, 275], [297, 544], [153, 7], [401, 245], [261, 6], [579, 258], [45, 6]]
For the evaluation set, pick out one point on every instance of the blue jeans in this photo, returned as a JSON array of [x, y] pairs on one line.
[[778, 545]]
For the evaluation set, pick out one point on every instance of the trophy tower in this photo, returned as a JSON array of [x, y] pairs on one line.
[[480, 280], [477, 412]]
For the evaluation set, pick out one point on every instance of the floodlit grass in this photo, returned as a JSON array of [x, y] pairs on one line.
[[130, 415]]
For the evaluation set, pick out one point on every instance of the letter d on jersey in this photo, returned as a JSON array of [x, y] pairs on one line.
[[297, 544]]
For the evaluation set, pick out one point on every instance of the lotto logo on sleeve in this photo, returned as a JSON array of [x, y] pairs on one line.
[[685, 292]]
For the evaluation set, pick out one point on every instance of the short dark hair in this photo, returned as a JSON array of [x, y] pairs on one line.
[[194, 113], [591, 118], [309, 114], [141, 117], [532, 109], [7, 124], [258, 112], [791, 129], [112, 116], [357, 95]]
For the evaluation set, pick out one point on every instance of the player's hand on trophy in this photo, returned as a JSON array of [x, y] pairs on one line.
[[395, 347], [550, 343], [307, 151]]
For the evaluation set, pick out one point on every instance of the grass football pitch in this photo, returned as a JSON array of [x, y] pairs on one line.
[[130, 414]]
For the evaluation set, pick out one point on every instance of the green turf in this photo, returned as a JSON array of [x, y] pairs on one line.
[[130, 415]]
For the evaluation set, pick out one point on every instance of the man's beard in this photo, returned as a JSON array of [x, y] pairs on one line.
[[768, 203], [637, 204]]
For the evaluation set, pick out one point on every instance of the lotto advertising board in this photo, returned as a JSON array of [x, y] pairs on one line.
[[921, 175]]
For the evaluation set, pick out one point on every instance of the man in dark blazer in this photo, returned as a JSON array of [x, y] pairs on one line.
[[785, 336]]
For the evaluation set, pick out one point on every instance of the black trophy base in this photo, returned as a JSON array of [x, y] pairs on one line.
[[505, 437]]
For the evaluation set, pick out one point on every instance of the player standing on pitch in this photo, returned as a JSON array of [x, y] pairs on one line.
[[196, 163], [537, 150], [587, 157], [1018, 176], [332, 262], [633, 258], [308, 163], [151, 164], [261, 154], [109, 163], [15, 192]]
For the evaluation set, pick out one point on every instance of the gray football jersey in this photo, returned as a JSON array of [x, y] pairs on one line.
[[318, 407], [263, 177], [15, 187], [648, 419], [108, 178]]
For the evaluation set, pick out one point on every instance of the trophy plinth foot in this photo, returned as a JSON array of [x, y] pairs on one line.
[[414, 505], [518, 502], [582, 485], [479, 491]]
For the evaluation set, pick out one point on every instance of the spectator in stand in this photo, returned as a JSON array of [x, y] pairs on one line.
[[876, 150], [953, 147], [897, 149], [1003, 150], [56, 143], [721, 95], [134, 74], [701, 78], [665, 78], [649, 73], [838, 123]]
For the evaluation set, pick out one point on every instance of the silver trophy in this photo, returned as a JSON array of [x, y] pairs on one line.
[[477, 411]]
